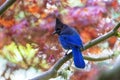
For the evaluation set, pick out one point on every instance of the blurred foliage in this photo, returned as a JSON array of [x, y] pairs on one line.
[[14, 53], [26, 31]]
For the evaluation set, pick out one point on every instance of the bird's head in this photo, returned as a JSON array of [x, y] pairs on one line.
[[58, 27]]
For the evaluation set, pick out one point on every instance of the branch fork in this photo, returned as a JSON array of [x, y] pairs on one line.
[[51, 73]]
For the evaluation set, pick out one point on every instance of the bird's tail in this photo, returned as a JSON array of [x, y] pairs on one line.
[[78, 58]]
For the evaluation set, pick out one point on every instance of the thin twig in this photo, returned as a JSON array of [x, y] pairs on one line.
[[6, 5], [18, 48]]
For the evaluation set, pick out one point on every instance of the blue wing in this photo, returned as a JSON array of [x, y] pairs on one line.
[[70, 40]]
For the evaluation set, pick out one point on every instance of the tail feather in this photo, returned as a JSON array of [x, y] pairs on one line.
[[78, 58]]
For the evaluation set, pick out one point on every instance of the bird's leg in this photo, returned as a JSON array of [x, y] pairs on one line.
[[66, 52]]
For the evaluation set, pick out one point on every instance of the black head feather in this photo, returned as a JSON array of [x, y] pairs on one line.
[[58, 27]]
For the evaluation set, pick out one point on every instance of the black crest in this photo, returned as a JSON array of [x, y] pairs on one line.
[[59, 24], [58, 27]]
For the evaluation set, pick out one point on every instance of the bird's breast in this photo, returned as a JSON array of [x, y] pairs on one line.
[[63, 42]]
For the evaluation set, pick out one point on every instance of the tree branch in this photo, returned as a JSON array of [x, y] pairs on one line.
[[111, 74], [53, 71], [100, 58], [6, 5]]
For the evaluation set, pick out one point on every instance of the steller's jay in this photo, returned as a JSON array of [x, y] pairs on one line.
[[70, 39]]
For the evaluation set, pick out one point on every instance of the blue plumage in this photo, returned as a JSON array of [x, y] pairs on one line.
[[70, 39]]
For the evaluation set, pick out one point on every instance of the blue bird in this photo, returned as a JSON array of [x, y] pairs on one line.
[[70, 39]]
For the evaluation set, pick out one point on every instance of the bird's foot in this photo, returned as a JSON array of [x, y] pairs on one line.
[[66, 53]]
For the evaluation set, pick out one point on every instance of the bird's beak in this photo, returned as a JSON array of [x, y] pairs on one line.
[[54, 32]]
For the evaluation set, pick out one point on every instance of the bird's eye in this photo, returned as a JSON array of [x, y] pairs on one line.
[[58, 28]]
